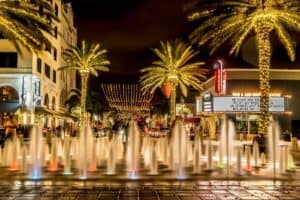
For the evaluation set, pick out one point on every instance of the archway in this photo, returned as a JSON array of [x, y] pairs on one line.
[[9, 102]]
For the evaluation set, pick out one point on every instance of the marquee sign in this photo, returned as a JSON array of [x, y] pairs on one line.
[[240, 104], [246, 104]]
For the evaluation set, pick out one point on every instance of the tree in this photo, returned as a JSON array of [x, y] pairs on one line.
[[22, 22], [93, 101], [235, 20], [73, 99], [87, 60], [175, 67]]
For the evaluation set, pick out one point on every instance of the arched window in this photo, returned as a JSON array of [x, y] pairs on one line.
[[46, 100], [53, 103], [8, 93]]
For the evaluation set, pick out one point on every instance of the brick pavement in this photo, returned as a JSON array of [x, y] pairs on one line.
[[206, 190]]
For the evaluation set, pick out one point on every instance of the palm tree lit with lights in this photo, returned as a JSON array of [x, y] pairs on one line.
[[234, 20], [174, 67], [87, 59], [22, 22]]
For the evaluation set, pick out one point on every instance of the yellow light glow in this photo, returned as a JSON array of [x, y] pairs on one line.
[[24, 118], [234, 20]]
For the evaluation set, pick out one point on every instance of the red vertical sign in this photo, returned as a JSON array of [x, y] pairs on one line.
[[220, 78]]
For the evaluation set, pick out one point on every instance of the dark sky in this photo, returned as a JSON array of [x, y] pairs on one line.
[[129, 28]]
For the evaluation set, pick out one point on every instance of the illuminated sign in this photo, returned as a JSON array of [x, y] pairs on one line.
[[246, 104], [220, 78]]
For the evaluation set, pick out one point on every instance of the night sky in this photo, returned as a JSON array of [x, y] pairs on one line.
[[129, 28]]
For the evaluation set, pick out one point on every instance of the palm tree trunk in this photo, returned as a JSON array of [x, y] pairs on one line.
[[264, 60], [84, 80], [173, 102]]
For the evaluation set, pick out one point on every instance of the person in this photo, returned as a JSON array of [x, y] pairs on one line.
[[10, 127]]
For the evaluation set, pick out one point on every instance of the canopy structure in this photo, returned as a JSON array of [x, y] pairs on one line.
[[127, 99]]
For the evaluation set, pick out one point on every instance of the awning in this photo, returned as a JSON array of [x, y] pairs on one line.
[[9, 106], [46, 111]]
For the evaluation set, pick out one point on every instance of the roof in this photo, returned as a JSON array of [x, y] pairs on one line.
[[253, 74]]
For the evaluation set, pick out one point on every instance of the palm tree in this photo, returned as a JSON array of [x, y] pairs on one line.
[[22, 22], [235, 20], [73, 99], [87, 60], [174, 66]]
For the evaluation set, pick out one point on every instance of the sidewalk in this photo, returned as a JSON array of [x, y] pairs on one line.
[[150, 190]]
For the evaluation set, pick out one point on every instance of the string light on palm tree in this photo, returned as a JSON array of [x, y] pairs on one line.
[[21, 22], [234, 20], [174, 67], [87, 59]]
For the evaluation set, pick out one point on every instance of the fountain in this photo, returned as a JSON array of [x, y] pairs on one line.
[[133, 148], [67, 155], [209, 156], [227, 139], [239, 161], [273, 147], [114, 153], [255, 153], [153, 157], [12, 152], [178, 143], [197, 154], [248, 167], [160, 156], [36, 151], [83, 160], [53, 166]]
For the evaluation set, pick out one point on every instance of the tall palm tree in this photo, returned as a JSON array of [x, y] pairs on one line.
[[234, 20], [87, 60], [175, 67], [22, 22]]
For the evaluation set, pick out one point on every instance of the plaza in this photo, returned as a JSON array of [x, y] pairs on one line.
[[145, 100]]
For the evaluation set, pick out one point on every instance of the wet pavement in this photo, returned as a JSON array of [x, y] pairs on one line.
[[133, 190]]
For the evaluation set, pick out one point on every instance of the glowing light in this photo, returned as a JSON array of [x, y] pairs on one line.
[[87, 60], [175, 67], [24, 118], [235, 20], [92, 167], [127, 99], [53, 166], [181, 177], [133, 175]]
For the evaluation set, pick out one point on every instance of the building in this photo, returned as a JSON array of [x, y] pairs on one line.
[[237, 94], [32, 82]]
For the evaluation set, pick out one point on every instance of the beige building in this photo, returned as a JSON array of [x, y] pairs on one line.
[[32, 81]]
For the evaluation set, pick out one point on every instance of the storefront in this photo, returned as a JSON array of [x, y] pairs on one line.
[[236, 94]]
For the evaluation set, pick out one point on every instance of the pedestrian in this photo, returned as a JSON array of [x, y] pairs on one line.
[[10, 127]]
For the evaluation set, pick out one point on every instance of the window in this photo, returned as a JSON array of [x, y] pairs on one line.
[[53, 103], [48, 48], [54, 54], [46, 100], [54, 76], [55, 32], [39, 65], [47, 70], [8, 60], [56, 10]]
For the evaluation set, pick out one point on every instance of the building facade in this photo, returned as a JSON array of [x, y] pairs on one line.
[[32, 81], [239, 98]]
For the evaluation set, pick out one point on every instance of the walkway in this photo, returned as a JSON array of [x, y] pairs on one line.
[[161, 190]]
